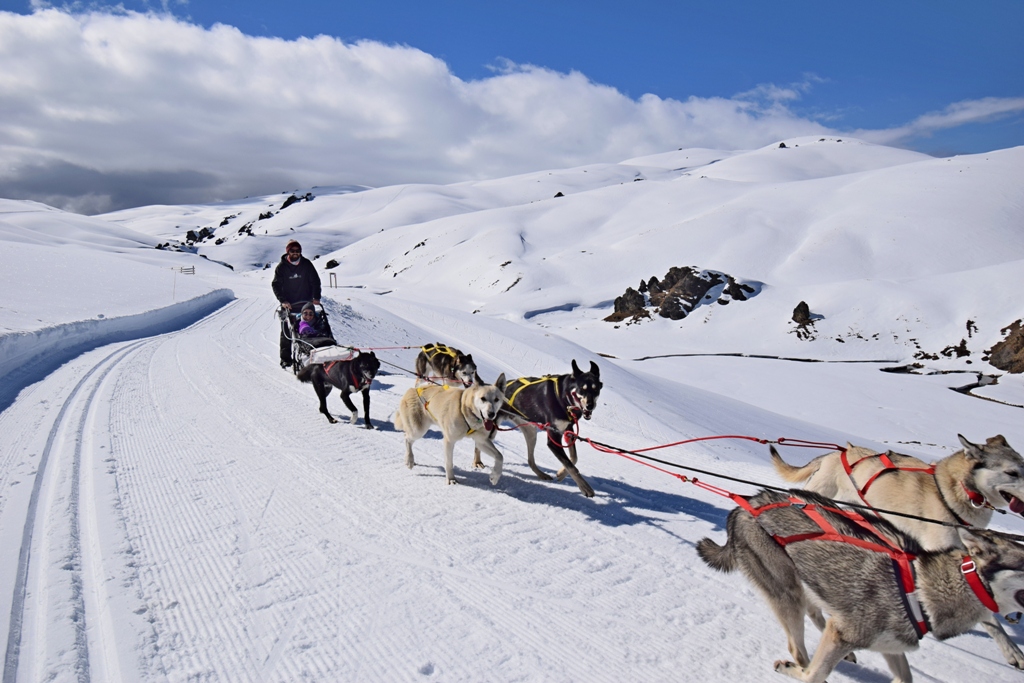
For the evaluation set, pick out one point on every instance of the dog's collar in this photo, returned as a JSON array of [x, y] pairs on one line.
[[977, 499], [949, 508], [488, 425], [970, 572]]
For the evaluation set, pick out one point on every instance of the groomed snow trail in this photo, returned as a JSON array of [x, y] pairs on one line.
[[197, 519]]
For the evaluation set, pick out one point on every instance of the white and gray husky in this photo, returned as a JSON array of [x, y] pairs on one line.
[[864, 591], [962, 488]]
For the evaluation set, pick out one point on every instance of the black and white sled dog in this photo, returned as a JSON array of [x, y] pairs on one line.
[[348, 376], [557, 401], [962, 488], [875, 600], [441, 362]]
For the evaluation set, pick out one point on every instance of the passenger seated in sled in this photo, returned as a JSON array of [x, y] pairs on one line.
[[305, 331], [313, 327]]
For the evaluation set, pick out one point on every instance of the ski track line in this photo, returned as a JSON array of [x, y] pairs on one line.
[[14, 653], [195, 520]]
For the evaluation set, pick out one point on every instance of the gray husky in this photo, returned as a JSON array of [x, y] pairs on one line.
[[445, 363], [962, 488], [459, 413], [864, 591]]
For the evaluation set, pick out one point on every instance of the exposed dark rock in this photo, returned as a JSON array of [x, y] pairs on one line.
[[193, 236], [292, 199], [559, 195], [802, 313], [629, 305], [331, 264], [678, 294], [1008, 354], [805, 320], [265, 215], [960, 350], [782, 145]]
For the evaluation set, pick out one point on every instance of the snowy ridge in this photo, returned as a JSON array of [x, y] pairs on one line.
[[26, 357]]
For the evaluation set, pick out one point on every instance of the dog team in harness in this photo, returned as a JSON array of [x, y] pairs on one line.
[[914, 560]]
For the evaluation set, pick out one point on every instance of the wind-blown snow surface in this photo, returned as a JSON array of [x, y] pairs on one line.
[[176, 509]]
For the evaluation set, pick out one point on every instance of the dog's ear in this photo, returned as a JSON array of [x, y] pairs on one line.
[[500, 383], [972, 451], [575, 368], [594, 370], [997, 440], [981, 548]]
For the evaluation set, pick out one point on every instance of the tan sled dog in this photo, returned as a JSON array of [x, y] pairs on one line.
[[962, 488], [458, 413]]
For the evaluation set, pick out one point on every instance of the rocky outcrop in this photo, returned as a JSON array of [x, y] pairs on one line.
[[1008, 354], [804, 320], [680, 292]]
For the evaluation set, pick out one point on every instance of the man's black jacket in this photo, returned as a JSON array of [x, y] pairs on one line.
[[296, 283]]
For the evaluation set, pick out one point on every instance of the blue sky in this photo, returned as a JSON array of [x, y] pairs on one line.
[[939, 76]]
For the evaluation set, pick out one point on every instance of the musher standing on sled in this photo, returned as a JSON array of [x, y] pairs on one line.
[[295, 281]]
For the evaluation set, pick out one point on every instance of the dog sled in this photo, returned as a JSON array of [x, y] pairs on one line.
[[303, 347]]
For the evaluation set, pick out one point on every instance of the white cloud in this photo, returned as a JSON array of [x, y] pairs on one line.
[[957, 114], [103, 110]]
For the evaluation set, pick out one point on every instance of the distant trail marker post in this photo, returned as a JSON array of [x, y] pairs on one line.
[[334, 280]]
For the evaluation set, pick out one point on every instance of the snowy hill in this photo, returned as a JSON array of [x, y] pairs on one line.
[[180, 510], [881, 242]]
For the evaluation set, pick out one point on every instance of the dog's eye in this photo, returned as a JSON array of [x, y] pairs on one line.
[[1013, 474]]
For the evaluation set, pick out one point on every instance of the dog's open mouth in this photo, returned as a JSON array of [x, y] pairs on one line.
[[1019, 597], [586, 414], [1016, 504], [489, 425]]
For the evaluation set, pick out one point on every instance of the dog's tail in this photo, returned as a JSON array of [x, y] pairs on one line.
[[306, 373], [716, 556], [791, 473]]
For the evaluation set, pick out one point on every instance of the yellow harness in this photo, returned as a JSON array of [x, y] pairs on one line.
[[525, 382], [438, 349], [445, 387]]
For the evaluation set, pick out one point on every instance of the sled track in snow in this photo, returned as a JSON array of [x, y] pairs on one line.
[[71, 418]]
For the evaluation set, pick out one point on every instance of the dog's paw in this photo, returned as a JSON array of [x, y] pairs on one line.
[[453, 481], [851, 658], [354, 419], [369, 425], [495, 478], [788, 668]]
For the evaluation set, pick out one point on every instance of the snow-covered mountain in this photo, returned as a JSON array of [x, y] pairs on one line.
[[180, 510]]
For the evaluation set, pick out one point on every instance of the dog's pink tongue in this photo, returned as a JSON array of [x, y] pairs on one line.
[[488, 425], [1016, 505]]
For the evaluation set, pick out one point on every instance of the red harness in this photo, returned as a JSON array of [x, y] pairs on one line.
[[353, 379], [977, 500], [902, 567], [888, 466]]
